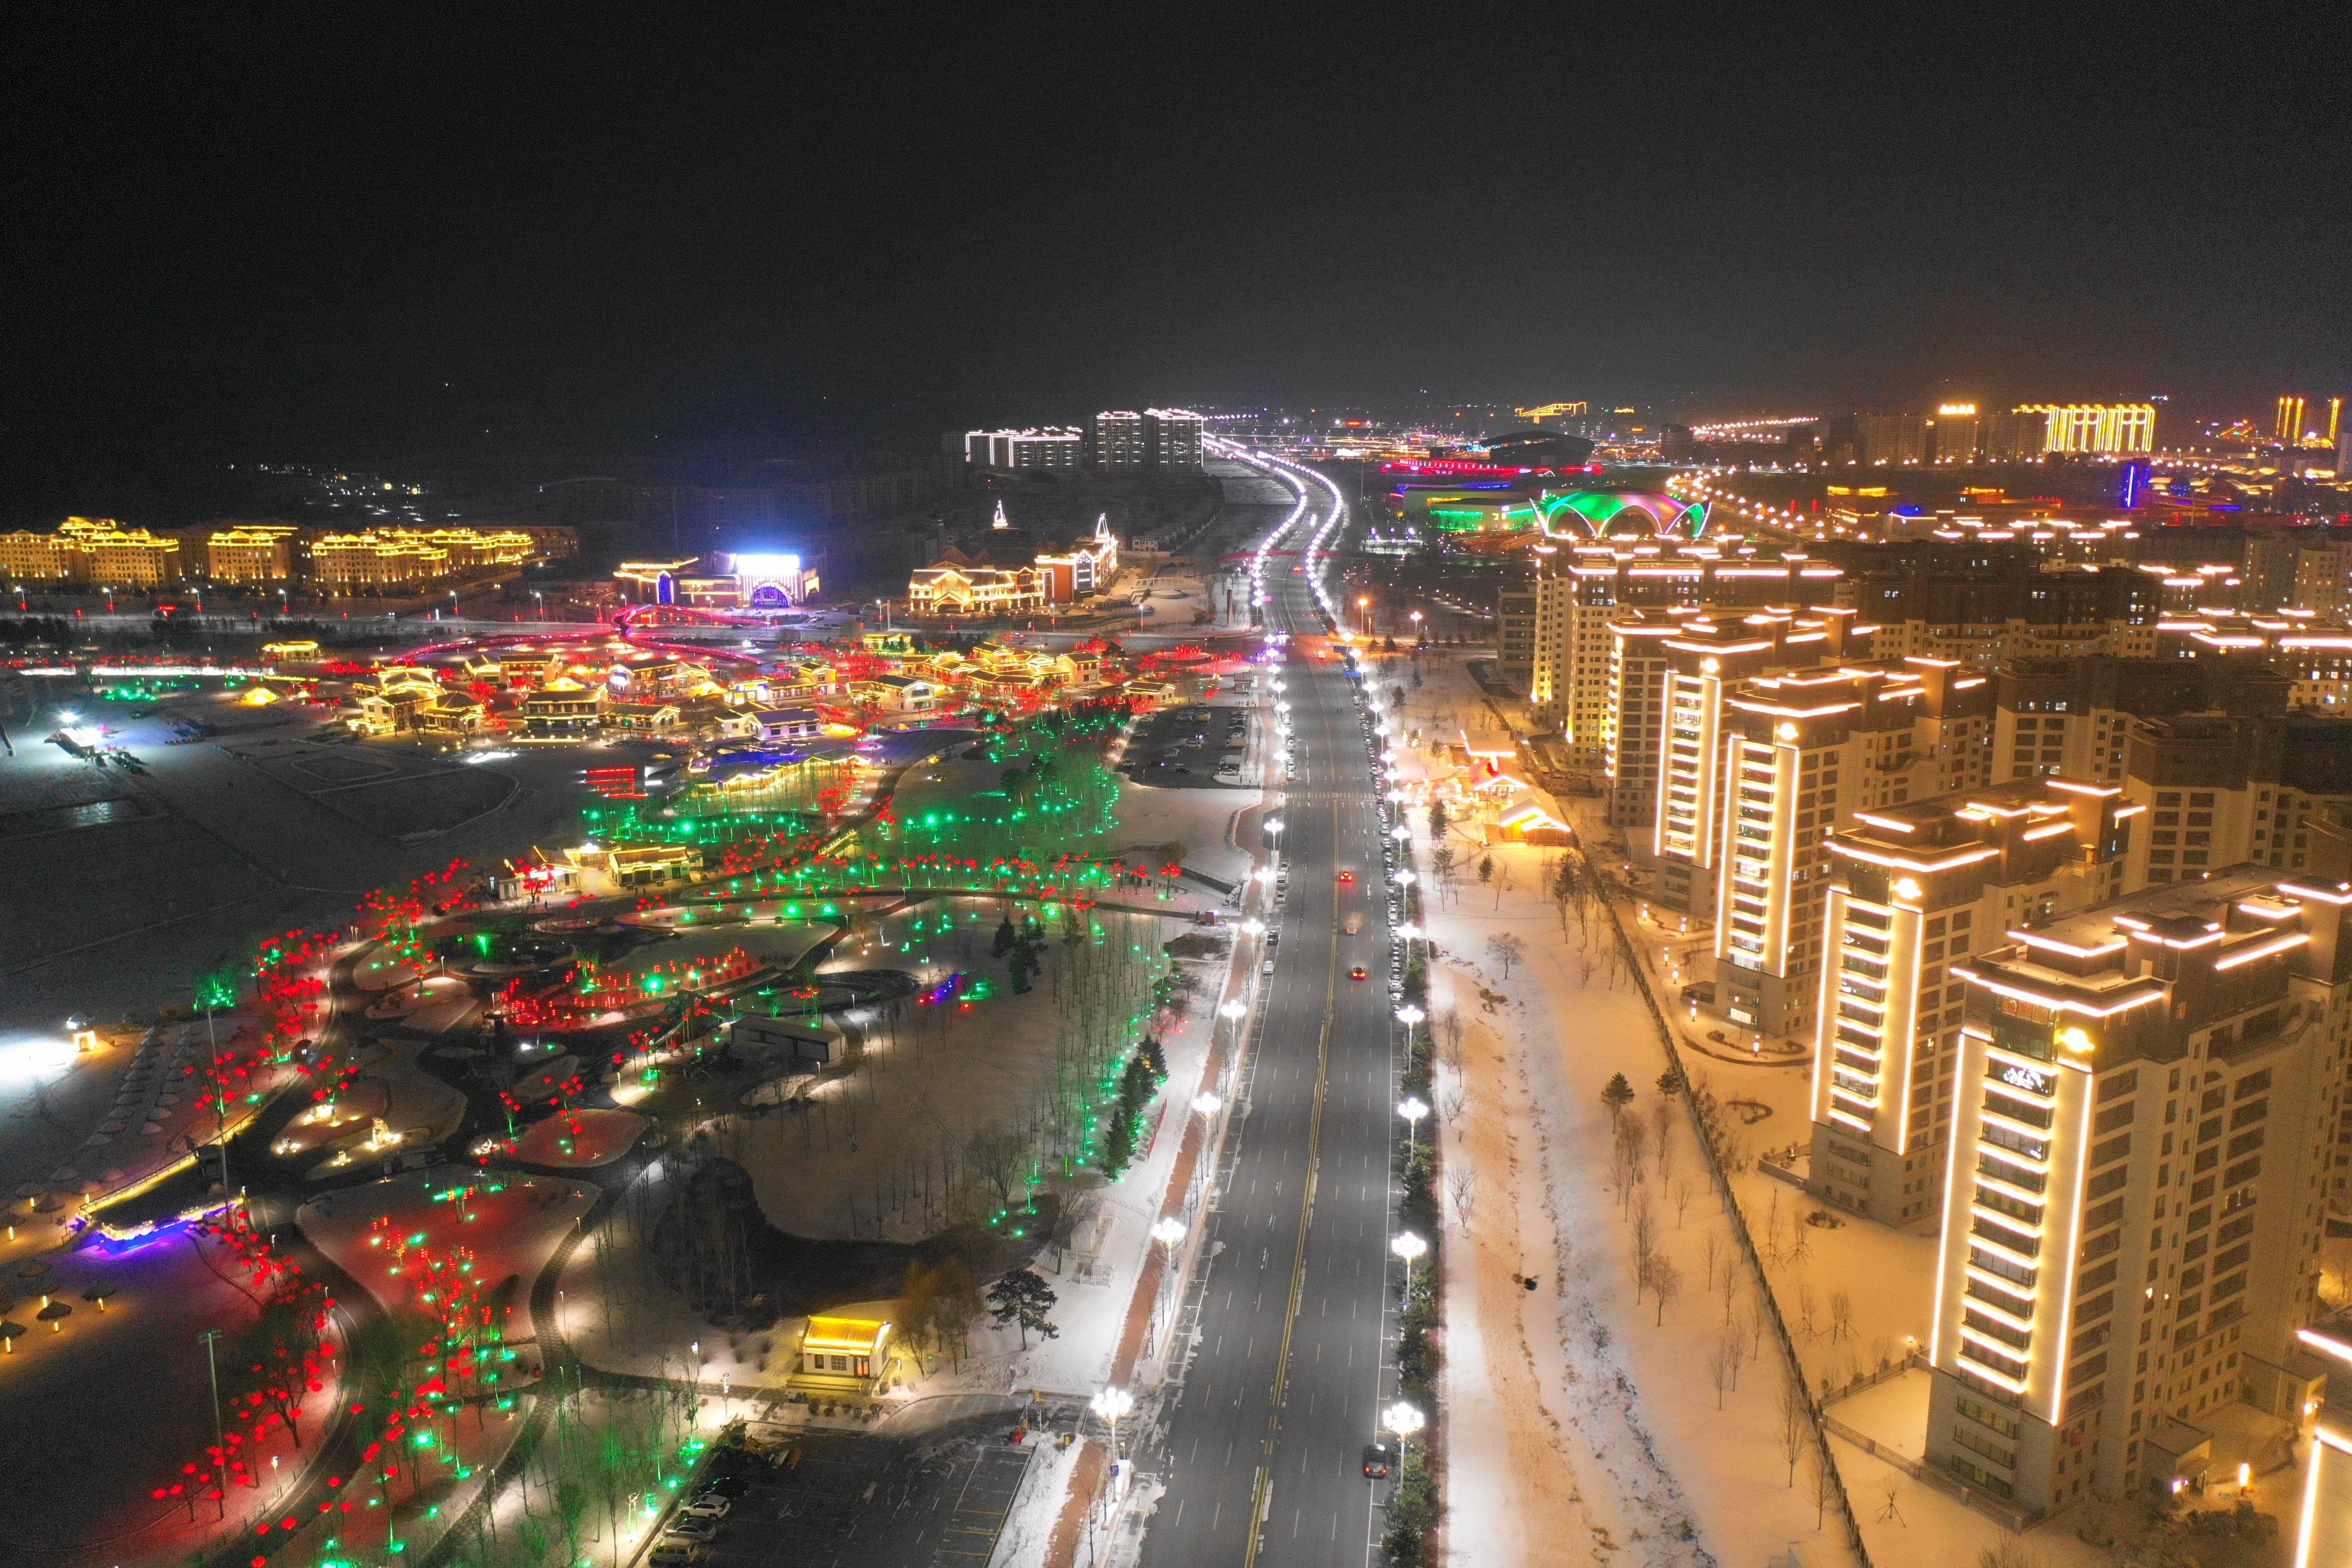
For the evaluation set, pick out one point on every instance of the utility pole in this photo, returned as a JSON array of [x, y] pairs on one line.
[[209, 1338]]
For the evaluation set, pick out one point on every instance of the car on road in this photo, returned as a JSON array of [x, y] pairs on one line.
[[1359, 973], [1347, 876], [1378, 1457], [1355, 922]]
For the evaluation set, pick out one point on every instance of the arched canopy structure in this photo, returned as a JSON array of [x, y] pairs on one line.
[[1598, 514]]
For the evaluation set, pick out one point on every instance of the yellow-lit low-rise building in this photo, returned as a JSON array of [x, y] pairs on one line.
[[250, 552], [28, 557], [369, 562], [849, 1358]]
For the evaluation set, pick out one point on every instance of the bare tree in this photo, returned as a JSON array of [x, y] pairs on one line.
[[1808, 1309], [2008, 1553], [1665, 1284], [1841, 1316], [1645, 1243], [1452, 1104], [1723, 1366], [1714, 1250], [1824, 1484], [1507, 948], [1682, 1203], [1790, 1433], [1662, 1127], [1890, 1487], [1461, 1189]]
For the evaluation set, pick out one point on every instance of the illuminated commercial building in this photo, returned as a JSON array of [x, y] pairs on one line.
[[958, 586], [1114, 442], [1912, 888], [2110, 428], [1054, 448], [250, 552], [1083, 566], [2147, 1092], [564, 711], [756, 580]]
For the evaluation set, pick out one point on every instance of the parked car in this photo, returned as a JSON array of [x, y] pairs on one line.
[[709, 1505], [1378, 1457]]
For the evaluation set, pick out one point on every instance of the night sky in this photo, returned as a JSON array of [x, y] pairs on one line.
[[322, 241]]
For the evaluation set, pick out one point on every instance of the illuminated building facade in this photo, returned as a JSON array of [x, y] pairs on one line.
[[108, 554], [1675, 670], [1171, 440], [28, 557], [740, 580], [970, 589], [250, 552], [1082, 567], [366, 563], [1577, 595], [1983, 603], [2104, 429], [1114, 441], [561, 711], [1803, 752], [1054, 448], [2147, 1091], [2316, 655], [2225, 789], [1912, 888], [2323, 580]]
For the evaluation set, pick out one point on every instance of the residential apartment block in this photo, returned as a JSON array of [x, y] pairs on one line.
[[2147, 1094], [1577, 594], [1912, 889]]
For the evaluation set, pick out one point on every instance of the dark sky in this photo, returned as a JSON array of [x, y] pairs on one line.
[[331, 240]]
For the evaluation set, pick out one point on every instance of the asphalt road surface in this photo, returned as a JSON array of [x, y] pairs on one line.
[[1292, 1363]]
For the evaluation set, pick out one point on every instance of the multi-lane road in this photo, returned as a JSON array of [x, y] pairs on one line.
[[1290, 1366]]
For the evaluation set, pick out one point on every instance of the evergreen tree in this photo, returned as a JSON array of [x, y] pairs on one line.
[[1023, 1297], [1617, 1094], [1006, 936]]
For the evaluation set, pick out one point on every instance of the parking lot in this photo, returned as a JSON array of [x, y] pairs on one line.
[[864, 1501], [1194, 747]]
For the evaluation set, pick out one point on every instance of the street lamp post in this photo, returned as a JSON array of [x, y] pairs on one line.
[[209, 1338], [1405, 1420], [1410, 1246], [1110, 1405], [1412, 1108]]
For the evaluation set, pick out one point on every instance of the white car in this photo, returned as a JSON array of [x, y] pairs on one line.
[[711, 1505]]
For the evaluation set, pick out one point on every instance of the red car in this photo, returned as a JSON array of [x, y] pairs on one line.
[[1347, 876], [1359, 973]]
